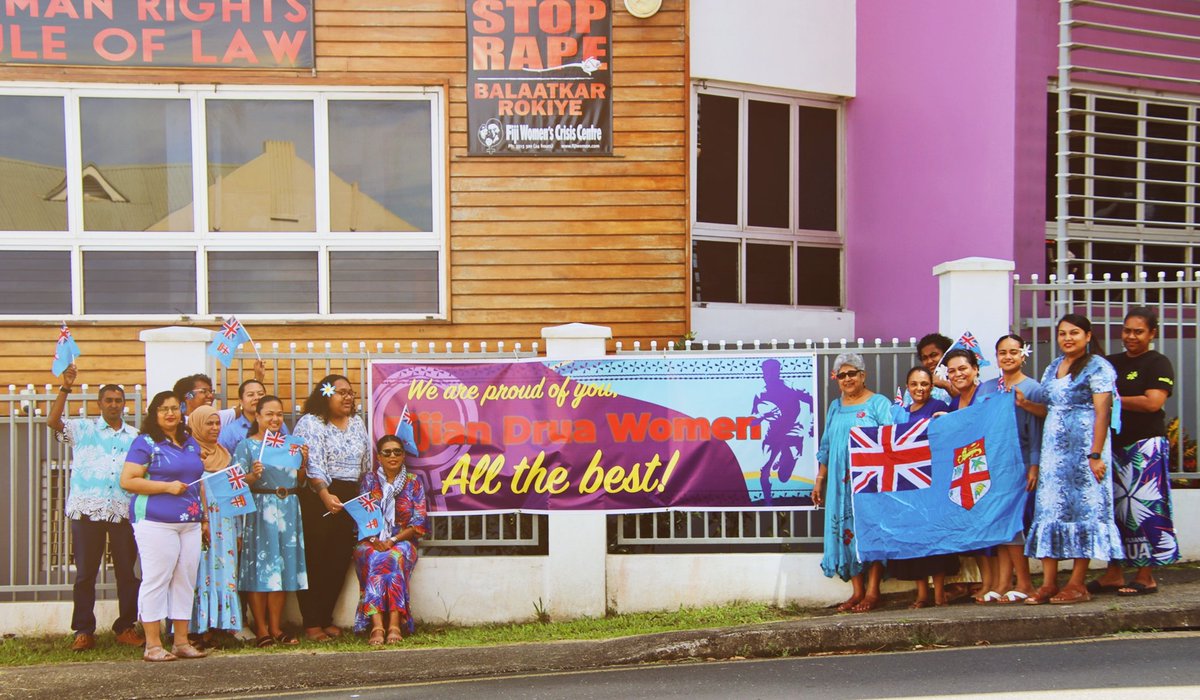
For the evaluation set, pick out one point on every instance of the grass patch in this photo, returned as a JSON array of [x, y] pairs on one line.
[[25, 651]]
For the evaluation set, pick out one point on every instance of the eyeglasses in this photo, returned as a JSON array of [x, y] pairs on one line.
[[168, 409], [848, 374], [345, 393], [202, 390], [394, 452]]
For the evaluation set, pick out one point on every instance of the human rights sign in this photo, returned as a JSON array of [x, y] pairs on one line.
[[539, 77], [170, 33], [614, 434]]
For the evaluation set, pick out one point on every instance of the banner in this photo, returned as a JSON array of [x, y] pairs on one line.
[[618, 435], [962, 488], [260, 34], [539, 77]]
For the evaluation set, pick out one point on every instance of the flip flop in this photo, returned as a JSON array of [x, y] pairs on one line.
[[1137, 588], [286, 639], [264, 641], [1013, 596], [1094, 587], [1070, 594], [989, 597]]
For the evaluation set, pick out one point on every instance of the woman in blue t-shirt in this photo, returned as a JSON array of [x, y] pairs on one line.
[[166, 514]]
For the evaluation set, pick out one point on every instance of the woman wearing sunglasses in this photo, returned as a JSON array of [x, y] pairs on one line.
[[857, 407], [385, 562]]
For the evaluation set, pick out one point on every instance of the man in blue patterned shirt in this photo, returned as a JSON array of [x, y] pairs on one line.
[[99, 509]]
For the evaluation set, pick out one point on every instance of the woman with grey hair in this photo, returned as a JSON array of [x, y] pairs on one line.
[[856, 407]]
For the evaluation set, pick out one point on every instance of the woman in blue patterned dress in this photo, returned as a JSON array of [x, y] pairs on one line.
[[217, 606], [384, 564], [857, 407], [273, 555], [1073, 508]]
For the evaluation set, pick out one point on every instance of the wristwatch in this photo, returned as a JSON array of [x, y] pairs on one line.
[[1093, 455]]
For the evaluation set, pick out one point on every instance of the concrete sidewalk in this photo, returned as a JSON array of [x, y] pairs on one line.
[[894, 626]]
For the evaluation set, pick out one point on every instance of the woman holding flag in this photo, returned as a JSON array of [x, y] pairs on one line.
[[273, 559], [217, 605], [385, 561]]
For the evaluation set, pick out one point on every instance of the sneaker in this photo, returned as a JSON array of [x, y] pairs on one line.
[[83, 642], [130, 637]]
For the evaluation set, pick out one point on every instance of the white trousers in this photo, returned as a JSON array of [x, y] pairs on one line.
[[170, 554]]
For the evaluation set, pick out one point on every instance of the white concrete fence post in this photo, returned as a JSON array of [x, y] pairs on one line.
[[975, 294], [576, 571], [173, 352]]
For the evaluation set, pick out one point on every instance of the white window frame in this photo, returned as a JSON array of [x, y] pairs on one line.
[[200, 239], [743, 233]]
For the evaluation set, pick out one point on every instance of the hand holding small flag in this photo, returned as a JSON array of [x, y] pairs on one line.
[[65, 351]]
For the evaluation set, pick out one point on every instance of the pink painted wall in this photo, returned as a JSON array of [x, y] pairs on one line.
[[930, 152]]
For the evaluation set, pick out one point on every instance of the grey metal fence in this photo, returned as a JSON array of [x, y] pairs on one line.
[[1037, 305], [37, 551]]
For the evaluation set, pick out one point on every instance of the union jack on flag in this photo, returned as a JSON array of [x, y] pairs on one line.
[[274, 439], [368, 505], [891, 458], [967, 342], [230, 328], [237, 478]]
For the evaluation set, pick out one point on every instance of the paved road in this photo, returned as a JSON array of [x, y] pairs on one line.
[[1162, 666]]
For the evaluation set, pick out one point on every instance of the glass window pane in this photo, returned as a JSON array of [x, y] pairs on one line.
[[817, 142], [262, 282], [819, 277], [1157, 209], [768, 274], [139, 282], [715, 271], [717, 159], [35, 282], [137, 164], [767, 164], [380, 154], [260, 165], [383, 281], [1113, 196], [33, 164]]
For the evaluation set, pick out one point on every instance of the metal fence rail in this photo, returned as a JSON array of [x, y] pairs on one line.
[[1038, 305]]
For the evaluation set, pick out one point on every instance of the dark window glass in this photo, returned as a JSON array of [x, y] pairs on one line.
[[1159, 135], [137, 164], [139, 282], [1075, 162], [35, 282], [383, 282], [262, 282], [817, 185], [717, 160], [768, 274], [715, 271], [767, 164], [382, 170], [1115, 186], [33, 164], [819, 277], [260, 165], [1111, 259]]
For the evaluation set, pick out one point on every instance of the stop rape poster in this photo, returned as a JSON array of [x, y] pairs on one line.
[[539, 77], [614, 434]]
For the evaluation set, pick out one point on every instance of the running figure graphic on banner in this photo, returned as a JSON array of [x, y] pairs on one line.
[[786, 413]]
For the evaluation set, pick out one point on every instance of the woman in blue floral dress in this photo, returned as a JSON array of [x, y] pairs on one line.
[[384, 563], [1073, 506], [217, 606], [273, 555], [857, 407]]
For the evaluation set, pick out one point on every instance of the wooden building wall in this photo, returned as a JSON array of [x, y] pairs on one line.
[[532, 241]]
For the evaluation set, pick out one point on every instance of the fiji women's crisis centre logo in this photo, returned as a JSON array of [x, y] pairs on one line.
[[490, 134]]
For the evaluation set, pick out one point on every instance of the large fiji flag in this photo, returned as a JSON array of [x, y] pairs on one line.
[[281, 450], [976, 492], [227, 340], [65, 351], [365, 512], [230, 492]]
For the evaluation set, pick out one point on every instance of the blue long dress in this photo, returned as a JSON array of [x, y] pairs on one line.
[[272, 536], [1072, 512], [840, 558]]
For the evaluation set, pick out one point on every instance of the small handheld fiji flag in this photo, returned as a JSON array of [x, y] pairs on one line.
[[65, 351], [365, 512], [281, 450], [899, 398], [406, 431], [227, 340], [230, 492], [967, 342]]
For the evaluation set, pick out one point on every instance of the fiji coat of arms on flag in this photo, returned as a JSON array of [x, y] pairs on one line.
[[971, 479]]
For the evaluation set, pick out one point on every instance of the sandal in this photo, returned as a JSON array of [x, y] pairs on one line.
[[318, 636], [394, 635], [158, 654], [376, 638], [1013, 596], [286, 639], [989, 597], [1071, 594], [1042, 595], [187, 651], [1094, 586], [918, 604], [1135, 588], [264, 641]]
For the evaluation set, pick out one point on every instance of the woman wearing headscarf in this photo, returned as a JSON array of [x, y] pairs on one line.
[[385, 562]]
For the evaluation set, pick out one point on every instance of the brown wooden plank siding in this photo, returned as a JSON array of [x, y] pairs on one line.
[[532, 241]]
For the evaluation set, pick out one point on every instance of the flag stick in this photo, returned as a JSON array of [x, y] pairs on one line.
[[263, 447], [252, 345], [368, 493], [212, 474]]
